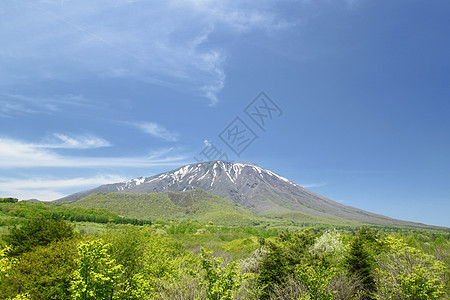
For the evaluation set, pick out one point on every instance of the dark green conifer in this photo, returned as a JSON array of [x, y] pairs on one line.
[[360, 263]]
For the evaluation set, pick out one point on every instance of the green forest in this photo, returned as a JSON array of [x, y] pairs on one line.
[[51, 251]]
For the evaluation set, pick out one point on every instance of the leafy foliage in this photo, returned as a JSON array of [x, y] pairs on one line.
[[329, 248], [43, 258], [36, 232], [360, 263], [8, 200], [97, 274], [316, 279], [282, 258], [220, 283], [5, 263], [408, 273], [56, 211], [44, 272]]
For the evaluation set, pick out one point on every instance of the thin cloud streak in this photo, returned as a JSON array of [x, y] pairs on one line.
[[45, 183], [76, 142], [51, 189], [156, 130], [41, 194], [19, 104], [314, 185], [16, 154]]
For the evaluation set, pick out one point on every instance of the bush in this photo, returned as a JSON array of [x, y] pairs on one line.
[[97, 273], [43, 273], [282, 257], [220, 283], [405, 272], [36, 232]]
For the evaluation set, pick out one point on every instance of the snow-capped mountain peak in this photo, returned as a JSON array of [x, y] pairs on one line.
[[244, 184]]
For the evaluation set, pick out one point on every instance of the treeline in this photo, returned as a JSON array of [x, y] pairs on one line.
[[46, 259], [75, 216], [26, 210], [9, 200]]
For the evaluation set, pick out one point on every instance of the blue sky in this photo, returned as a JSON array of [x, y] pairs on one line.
[[95, 92]]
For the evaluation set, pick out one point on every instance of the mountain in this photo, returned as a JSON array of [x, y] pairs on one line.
[[194, 204], [247, 185]]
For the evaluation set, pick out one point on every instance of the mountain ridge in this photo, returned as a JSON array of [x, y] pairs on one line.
[[246, 184]]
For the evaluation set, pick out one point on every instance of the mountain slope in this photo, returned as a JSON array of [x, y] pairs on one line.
[[246, 184], [194, 204]]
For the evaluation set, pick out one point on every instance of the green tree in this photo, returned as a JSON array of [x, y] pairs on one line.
[[165, 260], [36, 232], [5, 263], [219, 282], [282, 258], [43, 273], [328, 248], [127, 247], [360, 263], [317, 273], [404, 272], [151, 263], [9, 200], [316, 280], [97, 274]]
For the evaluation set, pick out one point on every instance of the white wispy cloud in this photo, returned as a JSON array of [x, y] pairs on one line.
[[314, 185], [40, 194], [18, 154], [45, 183], [51, 188], [156, 130], [241, 17], [166, 43], [12, 104], [160, 153], [75, 142]]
